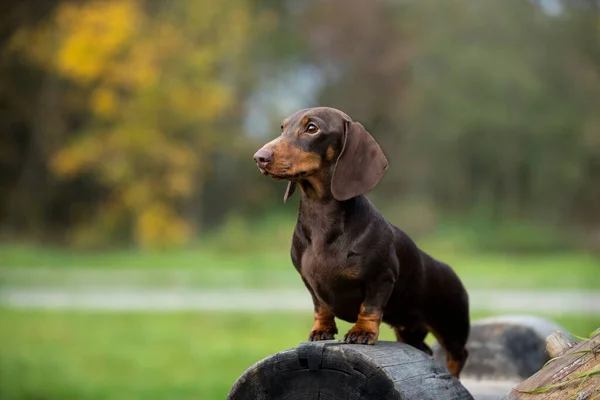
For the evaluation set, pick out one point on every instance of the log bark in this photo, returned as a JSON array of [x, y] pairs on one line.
[[566, 376], [335, 370]]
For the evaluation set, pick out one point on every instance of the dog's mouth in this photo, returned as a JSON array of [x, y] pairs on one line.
[[284, 172], [284, 176]]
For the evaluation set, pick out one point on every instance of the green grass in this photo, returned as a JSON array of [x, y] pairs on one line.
[[259, 268], [30, 256], [48, 355]]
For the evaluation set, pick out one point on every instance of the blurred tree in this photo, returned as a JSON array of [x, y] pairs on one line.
[[161, 78], [129, 120], [498, 109], [24, 94], [581, 63], [481, 104], [366, 55]]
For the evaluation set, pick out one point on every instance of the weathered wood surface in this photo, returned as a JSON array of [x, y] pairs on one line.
[[335, 370], [582, 358], [504, 351], [558, 344], [508, 348]]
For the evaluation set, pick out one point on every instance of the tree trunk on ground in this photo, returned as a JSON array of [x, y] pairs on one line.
[[574, 375], [334, 370]]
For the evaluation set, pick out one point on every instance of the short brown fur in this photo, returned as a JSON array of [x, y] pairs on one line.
[[292, 161], [330, 153], [366, 329], [324, 327], [356, 265]]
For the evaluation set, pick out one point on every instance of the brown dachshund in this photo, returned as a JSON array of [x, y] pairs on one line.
[[356, 265]]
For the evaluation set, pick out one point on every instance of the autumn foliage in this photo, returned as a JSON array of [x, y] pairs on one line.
[[153, 90], [132, 121]]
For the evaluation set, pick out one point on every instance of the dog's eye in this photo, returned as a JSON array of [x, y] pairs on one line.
[[312, 128]]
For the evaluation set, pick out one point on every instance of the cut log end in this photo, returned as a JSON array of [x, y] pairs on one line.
[[558, 344]]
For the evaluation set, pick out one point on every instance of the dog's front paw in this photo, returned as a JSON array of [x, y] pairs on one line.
[[320, 335], [322, 332], [362, 335]]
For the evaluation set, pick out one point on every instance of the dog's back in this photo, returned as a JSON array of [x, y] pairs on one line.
[[355, 264]]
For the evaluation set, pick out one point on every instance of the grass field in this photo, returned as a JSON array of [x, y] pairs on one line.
[[210, 268], [48, 355]]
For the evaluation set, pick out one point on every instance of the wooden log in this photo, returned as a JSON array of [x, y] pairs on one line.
[[558, 344], [574, 375], [509, 348], [335, 370]]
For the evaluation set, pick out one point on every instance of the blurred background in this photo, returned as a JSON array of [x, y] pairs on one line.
[[142, 254]]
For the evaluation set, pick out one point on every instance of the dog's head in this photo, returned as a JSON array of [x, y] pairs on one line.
[[322, 143]]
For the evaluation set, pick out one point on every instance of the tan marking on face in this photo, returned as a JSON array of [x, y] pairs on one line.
[[285, 122], [289, 160], [304, 121], [317, 185], [330, 153]]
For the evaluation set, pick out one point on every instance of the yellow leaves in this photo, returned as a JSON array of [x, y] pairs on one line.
[[155, 87], [238, 24], [104, 102], [179, 184], [180, 157], [92, 34], [202, 102], [138, 68], [76, 157], [201, 60], [146, 176], [66, 164], [158, 225], [81, 38]]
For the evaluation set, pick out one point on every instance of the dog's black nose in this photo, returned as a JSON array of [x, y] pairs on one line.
[[263, 158]]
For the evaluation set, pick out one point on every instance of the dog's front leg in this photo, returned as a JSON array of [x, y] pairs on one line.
[[366, 329], [324, 327]]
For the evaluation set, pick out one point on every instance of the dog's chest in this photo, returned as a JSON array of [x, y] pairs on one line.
[[333, 276]]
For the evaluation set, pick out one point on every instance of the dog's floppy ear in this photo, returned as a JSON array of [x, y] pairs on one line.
[[291, 188], [360, 166]]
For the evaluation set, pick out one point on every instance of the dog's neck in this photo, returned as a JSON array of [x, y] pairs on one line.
[[326, 214], [317, 187], [323, 221]]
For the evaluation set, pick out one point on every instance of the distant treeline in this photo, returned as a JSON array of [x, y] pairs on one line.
[[135, 121]]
